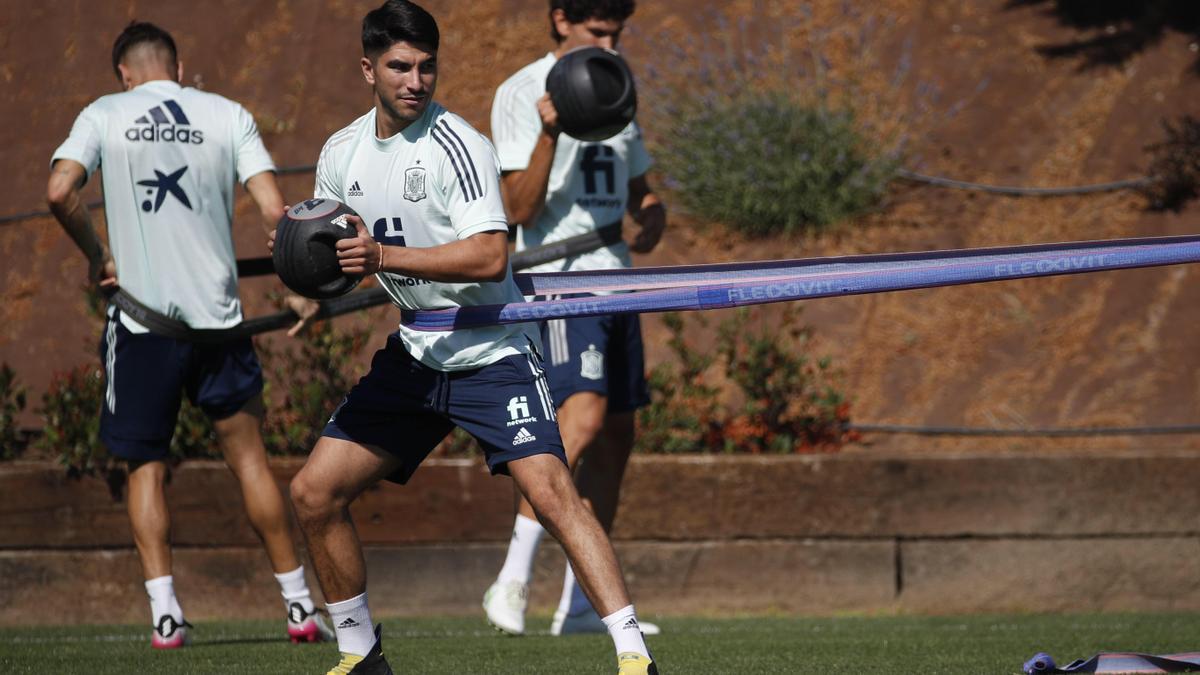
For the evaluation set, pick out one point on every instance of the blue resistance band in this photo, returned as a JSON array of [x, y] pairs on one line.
[[715, 286], [1116, 662]]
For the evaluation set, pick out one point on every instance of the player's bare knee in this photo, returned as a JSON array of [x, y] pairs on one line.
[[578, 442], [586, 428], [150, 474], [311, 501], [553, 497], [246, 468]]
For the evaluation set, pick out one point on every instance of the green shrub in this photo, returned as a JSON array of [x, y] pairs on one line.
[[12, 402], [768, 164], [312, 374], [784, 401], [683, 415], [71, 410], [789, 402], [786, 119]]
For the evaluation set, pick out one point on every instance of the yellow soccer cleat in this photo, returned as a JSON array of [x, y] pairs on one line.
[[633, 663], [371, 664], [346, 665]]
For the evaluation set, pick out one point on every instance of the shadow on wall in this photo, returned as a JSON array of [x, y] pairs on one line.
[[1116, 30]]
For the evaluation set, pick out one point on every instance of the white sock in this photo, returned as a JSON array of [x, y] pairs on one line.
[[294, 588], [518, 566], [352, 624], [625, 631], [572, 602], [162, 599]]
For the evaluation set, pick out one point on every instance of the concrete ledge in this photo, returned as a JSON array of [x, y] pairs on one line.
[[675, 498], [56, 587], [448, 500], [50, 587], [809, 534], [1126, 574], [664, 577], [725, 496], [807, 577]]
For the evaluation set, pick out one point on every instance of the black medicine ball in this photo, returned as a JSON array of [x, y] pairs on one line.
[[592, 90], [305, 257]]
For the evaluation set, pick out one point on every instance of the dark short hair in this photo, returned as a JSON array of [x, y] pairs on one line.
[[139, 32], [578, 11], [397, 21]]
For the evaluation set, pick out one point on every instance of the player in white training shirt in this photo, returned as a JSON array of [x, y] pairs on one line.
[[428, 187], [170, 157], [558, 187]]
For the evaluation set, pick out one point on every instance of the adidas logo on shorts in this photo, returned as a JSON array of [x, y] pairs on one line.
[[355, 190], [523, 436]]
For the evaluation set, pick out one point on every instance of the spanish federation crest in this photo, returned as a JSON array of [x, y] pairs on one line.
[[592, 364], [414, 183]]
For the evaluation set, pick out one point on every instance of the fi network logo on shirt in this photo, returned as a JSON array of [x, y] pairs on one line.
[[157, 126]]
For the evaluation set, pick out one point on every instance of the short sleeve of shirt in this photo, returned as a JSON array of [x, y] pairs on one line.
[[639, 159], [83, 143], [515, 124], [328, 182], [470, 179], [252, 156]]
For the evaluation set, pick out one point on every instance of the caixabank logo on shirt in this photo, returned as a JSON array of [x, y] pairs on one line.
[[157, 126], [164, 185]]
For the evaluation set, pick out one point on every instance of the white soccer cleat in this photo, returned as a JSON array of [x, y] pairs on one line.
[[588, 621], [169, 633], [305, 626], [505, 604]]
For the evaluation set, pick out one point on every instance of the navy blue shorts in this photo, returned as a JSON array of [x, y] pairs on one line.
[[406, 408], [144, 375], [601, 354]]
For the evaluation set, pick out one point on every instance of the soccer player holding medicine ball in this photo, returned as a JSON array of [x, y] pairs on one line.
[[432, 228], [558, 186]]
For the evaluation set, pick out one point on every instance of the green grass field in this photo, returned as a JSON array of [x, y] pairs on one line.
[[973, 644]]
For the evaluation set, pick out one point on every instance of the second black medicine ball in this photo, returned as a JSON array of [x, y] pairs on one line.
[[305, 256], [592, 90]]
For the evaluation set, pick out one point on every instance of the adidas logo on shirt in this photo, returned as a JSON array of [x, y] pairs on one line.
[[523, 436], [354, 190], [157, 125]]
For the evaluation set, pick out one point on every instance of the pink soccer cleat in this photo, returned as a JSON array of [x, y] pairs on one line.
[[169, 633], [305, 626]]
